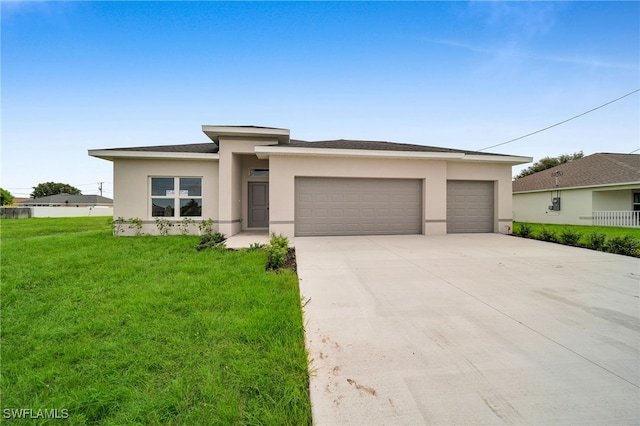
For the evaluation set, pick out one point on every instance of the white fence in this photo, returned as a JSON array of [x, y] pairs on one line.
[[626, 219]]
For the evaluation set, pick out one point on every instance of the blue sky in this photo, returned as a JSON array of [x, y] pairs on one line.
[[83, 75]]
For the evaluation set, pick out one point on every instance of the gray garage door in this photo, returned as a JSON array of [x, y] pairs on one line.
[[354, 206], [469, 206]]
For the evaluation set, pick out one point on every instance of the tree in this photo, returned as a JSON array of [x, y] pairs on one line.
[[53, 188], [5, 197], [549, 162]]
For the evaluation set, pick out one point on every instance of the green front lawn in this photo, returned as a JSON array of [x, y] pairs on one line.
[[609, 231], [147, 330]]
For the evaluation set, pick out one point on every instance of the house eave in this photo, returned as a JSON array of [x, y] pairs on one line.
[[215, 132], [110, 155], [563, 188], [264, 152]]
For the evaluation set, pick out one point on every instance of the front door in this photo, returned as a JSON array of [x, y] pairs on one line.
[[258, 204]]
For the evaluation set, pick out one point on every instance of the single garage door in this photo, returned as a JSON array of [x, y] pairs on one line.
[[355, 206], [469, 206]]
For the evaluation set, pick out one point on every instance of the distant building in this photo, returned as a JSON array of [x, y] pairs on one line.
[[600, 189], [68, 200]]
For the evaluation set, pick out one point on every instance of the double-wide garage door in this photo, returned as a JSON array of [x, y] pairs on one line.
[[469, 206], [357, 206]]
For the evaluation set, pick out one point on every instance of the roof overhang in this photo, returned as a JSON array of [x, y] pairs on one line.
[[605, 187], [215, 132], [264, 152], [112, 154]]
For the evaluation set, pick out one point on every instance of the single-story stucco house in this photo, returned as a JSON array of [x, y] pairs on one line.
[[257, 178], [68, 200], [600, 189]]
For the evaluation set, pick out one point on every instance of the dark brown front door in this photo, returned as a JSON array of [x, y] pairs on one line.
[[258, 204]]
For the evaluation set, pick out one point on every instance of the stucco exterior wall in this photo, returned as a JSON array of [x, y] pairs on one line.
[[575, 207], [434, 173], [131, 187], [614, 199]]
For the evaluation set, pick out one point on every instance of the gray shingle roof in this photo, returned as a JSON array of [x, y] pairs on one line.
[[212, 148], [200, 148], [593, 170], [378, 146], [69, 199]]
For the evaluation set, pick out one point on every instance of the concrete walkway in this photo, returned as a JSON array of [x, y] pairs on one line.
[[245, 238], [469, 329]]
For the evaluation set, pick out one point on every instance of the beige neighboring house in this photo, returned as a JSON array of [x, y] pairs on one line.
[[600, 189], [258, 178]]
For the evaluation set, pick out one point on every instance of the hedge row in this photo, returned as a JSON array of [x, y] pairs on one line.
[[626, 244]]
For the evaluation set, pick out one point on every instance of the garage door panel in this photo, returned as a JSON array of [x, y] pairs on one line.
[[358, 206], [470, 206]]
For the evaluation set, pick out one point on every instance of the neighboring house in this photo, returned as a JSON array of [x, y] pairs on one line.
[[600, 189], [257, 178], [68, 200]]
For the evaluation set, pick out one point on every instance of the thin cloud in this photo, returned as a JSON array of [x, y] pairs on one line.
[[511, 51]]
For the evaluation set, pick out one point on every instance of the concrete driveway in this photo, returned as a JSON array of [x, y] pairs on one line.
[[469, 329]]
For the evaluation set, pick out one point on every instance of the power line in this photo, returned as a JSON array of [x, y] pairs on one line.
[[562, 122], [635, 150]]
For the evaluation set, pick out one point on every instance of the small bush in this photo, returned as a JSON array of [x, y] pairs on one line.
[[213, 240], [569, 237], [525, 230], [548, 235], [277, 251], [164, 225], [206, 227], [135, 223], [596, 241], [257, 246], [626, 245], [117, 225], [184, 225]]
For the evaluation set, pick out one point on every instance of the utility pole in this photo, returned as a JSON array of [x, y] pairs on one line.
[[100, 187]]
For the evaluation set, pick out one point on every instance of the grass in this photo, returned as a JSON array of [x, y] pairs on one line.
[[147, 330], [625, 241], [609, 231]]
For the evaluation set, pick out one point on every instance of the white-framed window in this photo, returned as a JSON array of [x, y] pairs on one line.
[[176, 196]]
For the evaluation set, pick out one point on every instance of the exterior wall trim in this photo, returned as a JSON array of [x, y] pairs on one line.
[[567, 188], [263, 152], [228, 221]]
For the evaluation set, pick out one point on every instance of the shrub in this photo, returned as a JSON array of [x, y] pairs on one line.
[[213, 240], [164, 225], [596, 241], [548, 235], [117, 225], [135, 223], [569, 237], [626, 245], [525, 230], [257, 246], [184, 225], [277, 251], [206, 227]]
